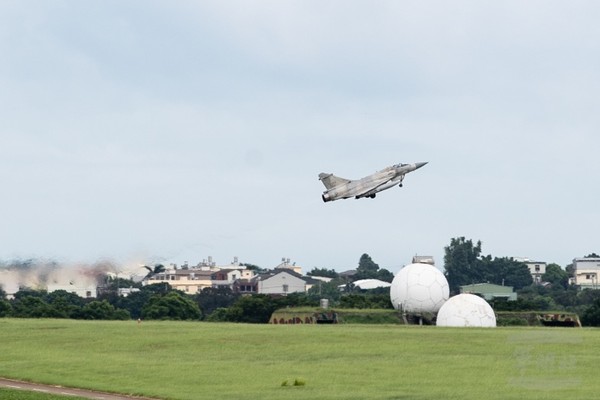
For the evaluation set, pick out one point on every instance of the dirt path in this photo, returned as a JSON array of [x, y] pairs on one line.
[[88, 394]]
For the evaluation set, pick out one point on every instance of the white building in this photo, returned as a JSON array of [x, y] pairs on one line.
[[190, 281], [586, 272], [280, 282], [226, 277], [536, 268], [205, 275]]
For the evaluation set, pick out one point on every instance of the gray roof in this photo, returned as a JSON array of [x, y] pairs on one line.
[[271, 273]]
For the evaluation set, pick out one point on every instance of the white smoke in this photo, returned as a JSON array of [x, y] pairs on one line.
[[40, 274]]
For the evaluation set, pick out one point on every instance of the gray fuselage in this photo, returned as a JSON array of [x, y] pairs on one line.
[[340, 188]]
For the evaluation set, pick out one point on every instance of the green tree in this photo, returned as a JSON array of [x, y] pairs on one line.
[[33, 307], [354, 301], [325, 290], [27, 292], [158, 288], [570, 270], [5, 308], [209, 299], [172, 306], [556, 276], [565, 297], [371, 299], [380, 298], [385, 275], [368, 269], [462, 263], [133, 303], [327, 273], [297, 299], [591, 316], [252, 309], [103, 310], [66, 303], [219, 315], [587, 297], [504, 271]]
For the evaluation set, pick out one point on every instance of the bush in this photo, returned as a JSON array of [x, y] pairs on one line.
[[218, 315], [252, 309], [171, 306], [103, 310], [512, 321], [591, 316], [5, 308]]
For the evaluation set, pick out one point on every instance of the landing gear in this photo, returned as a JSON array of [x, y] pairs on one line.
[[400, 185], [372, 196]]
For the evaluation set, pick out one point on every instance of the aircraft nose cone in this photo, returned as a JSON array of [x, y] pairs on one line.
[[420, 164]]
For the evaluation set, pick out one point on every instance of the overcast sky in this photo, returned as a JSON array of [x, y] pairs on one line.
[[160, 131]]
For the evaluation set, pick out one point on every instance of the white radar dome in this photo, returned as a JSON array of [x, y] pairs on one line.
[[419, 288], [466, 310]]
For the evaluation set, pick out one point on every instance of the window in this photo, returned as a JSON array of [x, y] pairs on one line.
[[537, 268], [285, 288]]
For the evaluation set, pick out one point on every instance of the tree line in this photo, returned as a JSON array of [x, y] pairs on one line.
[[161, 302], [465, 264]]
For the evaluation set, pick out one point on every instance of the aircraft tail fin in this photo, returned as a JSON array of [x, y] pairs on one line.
[[330, 180]]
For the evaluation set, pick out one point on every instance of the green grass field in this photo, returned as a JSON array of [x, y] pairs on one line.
[[10, 394], [192, 360]]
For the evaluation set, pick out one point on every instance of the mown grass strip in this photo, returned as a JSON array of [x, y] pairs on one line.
[[13, 394]]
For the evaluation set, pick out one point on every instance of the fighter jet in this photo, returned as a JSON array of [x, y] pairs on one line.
[[369, 186]]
